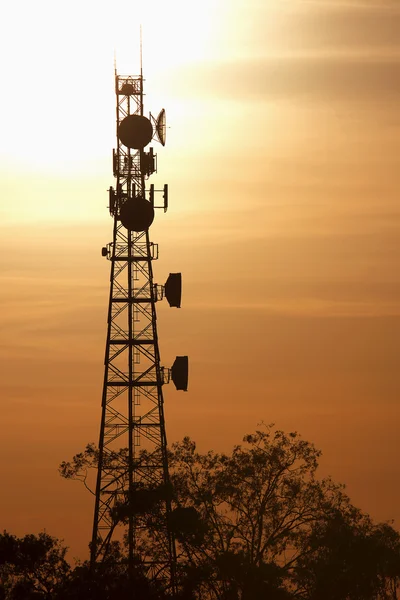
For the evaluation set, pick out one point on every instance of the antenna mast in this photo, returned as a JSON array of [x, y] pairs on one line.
[[133, 495], [141, 53]]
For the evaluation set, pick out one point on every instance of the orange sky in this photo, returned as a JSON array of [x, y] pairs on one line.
[[282, 159]]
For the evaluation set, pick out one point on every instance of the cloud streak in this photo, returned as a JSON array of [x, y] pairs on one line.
[[327, 79]]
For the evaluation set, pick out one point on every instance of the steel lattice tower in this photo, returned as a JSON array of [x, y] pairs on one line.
[[133, 464]]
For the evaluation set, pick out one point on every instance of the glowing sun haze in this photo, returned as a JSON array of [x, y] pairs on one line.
[[282, 159]]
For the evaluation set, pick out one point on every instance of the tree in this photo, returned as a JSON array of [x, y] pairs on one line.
[[254, 508], [34, 568], [31, 567], [258, 523], [109, 581], [348, 556]]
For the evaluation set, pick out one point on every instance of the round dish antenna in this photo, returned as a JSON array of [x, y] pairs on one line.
[[135, 131], [137, 214], [161, 126]]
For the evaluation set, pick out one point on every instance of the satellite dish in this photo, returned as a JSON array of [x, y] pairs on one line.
[[137, 214], [161, 126], [135, 131]]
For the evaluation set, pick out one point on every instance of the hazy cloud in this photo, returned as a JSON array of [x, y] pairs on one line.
[[326, 79]]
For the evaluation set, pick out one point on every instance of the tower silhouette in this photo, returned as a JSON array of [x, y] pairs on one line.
[[133, 484]]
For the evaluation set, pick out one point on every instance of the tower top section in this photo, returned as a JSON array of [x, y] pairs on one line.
[[133, 163]]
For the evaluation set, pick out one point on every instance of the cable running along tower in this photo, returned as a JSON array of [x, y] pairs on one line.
[[132, 480]]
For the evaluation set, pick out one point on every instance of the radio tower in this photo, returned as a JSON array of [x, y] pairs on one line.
[[132, 479]]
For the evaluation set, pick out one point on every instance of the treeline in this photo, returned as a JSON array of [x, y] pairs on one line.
[[256, 524]]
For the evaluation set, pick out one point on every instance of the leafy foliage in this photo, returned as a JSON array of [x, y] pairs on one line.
[[253, 509], [347, 556], [31, 567], [259, 524]]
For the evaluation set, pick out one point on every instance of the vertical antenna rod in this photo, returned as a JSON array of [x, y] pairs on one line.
[[141, 53]]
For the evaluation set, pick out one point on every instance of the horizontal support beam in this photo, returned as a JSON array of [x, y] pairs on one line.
[[141, 300], [138, 424], [133, 384], [131, 258], [122, 342]]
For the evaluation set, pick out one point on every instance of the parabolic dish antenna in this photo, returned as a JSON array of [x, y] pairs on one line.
[[135, 131], [161, 126], [137, 214]]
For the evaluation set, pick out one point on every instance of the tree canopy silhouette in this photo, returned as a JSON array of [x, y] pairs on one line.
[[255, 524], [259, 523], [31, 567]]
